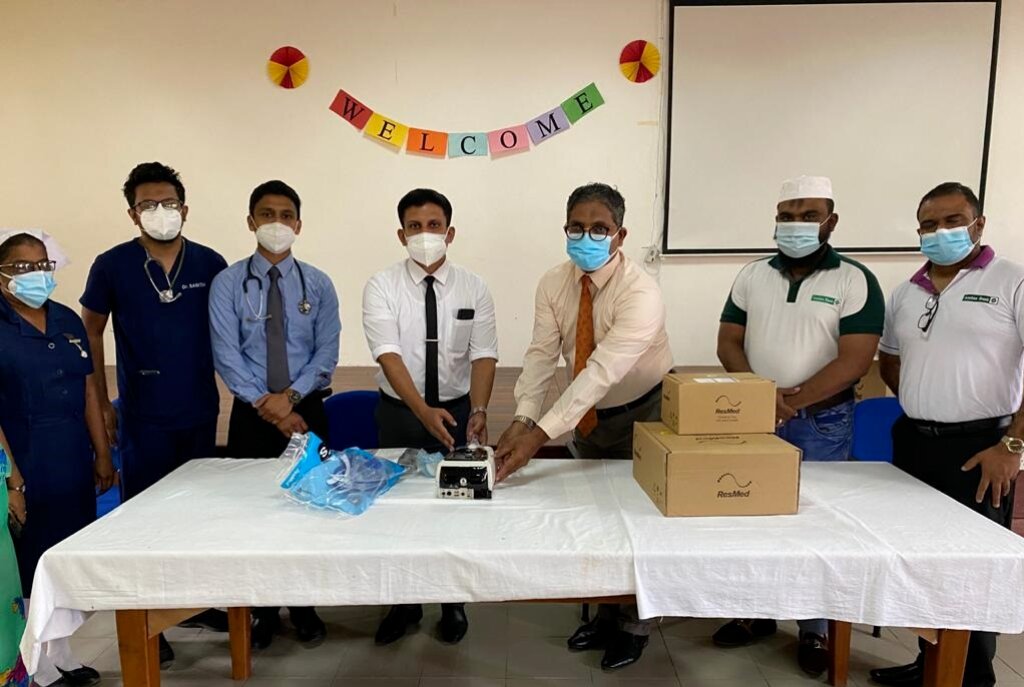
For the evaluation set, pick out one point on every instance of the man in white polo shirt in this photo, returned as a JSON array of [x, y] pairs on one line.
[[953, 351], [810, 319], [431, 326]]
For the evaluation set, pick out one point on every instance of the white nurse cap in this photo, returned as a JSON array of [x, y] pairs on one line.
[[806, 187], [53, 249]]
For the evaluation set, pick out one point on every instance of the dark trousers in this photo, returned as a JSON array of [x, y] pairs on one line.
[[150, 453], [249, 436], [613, 439], [936, 461], [398, 427]]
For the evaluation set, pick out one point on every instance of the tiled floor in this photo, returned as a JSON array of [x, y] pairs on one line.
[[508, 645]]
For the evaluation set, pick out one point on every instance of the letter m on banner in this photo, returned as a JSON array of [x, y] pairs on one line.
[[351, 110]]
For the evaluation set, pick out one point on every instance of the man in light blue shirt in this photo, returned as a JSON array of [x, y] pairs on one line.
[[276, 331]]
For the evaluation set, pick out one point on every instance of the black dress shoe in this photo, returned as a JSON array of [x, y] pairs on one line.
[[397, 622], [593, 635], [79, 677], [453, 624], [166, 653], [736, 633], [909, 675], [308, 626], [812, 654], [210, 619], [265, 623], [624, 649]]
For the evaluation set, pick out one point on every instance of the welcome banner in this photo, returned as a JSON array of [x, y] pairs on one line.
[[496, 143]]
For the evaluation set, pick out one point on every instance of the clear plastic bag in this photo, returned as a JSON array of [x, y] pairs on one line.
[[348, 481]]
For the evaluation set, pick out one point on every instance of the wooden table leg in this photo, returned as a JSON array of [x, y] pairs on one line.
[[140, 651], [240, 634], [945, 660], [839, 635]]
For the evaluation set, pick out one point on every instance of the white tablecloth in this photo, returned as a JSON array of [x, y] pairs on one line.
[[869, 545]]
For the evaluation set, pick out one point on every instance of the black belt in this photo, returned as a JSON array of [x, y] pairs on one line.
[[830, 402], [605, 413], [945, 429], [447, 405]]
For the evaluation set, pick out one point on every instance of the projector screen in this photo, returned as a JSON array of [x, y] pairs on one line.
[[888, 99]]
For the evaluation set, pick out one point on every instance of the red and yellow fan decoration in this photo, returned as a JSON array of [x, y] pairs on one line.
[[288, 67], [640, 61]]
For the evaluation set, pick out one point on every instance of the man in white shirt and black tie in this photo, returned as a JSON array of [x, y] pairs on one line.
[[430, 325]]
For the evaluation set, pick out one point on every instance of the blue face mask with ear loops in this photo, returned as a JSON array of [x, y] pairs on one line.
[[589, 255], [948, 246], [33, 288], [798, 239]]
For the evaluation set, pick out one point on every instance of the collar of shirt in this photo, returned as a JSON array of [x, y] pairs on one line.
[[829, 260], [980, 262], [601, 276], [53, 320], [418, 274], [260, 265]]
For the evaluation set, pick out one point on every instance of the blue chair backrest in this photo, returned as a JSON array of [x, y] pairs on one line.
[[873, 419], [350, 416]]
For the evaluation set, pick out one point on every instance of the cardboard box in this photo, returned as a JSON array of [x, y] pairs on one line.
[[871, 384], [738, 474], [718, 403]]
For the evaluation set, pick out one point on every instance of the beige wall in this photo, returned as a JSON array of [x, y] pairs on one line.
[[91, 88]]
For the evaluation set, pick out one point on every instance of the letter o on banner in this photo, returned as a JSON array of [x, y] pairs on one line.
[[512, 139]]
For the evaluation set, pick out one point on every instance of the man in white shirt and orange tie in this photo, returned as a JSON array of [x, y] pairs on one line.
[[605, 316], [430, 325]]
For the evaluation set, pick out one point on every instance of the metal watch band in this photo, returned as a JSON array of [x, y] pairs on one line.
[[478, 409], [529, 422]]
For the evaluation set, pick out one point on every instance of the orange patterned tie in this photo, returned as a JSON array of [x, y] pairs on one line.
[[584, 347]]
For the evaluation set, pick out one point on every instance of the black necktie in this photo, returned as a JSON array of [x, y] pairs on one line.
[[430, 383], [278, 378]]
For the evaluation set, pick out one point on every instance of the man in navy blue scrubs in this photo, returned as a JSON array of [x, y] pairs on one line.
[[156, 288], [276, 333]]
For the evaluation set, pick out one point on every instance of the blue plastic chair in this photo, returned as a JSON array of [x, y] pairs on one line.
[[873, 419], [350, 417], [112, 498]]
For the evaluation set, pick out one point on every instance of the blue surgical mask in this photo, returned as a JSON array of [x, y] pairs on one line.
[[589, 255], [33, 289], [798, 239], [948, 246]]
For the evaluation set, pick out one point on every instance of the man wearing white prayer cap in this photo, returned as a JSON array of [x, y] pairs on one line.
[[810, 319]]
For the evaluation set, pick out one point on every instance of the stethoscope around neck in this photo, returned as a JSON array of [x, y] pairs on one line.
[[259, 313]]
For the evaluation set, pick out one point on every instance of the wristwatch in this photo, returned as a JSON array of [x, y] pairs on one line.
[[478, 409], [20, 488], [1015, 445], [530, 424], [294, 397]]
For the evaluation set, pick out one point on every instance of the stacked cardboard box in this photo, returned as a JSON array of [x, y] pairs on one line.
[[714, 452]]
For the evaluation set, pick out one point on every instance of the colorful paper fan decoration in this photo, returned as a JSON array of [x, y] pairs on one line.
[[640, 61], [288, 67]]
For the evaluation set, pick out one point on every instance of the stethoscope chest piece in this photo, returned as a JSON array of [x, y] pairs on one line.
[[305, 307]]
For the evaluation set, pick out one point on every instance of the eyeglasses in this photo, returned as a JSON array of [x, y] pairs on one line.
[[597, 232], [24, 267], [168, 204], [931, 307]]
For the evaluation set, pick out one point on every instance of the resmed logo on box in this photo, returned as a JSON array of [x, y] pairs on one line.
[[725, 406], [742, 490]]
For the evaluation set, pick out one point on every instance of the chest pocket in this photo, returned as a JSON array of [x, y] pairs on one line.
[[462, 330]]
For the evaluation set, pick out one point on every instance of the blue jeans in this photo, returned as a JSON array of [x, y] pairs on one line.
[[824, 436]]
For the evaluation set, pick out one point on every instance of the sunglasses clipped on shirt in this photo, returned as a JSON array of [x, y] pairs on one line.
[[931, 306]]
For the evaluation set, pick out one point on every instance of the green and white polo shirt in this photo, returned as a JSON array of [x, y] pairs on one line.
[[793, 327]]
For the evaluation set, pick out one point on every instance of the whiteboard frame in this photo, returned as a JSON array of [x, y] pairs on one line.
[[673, 4]]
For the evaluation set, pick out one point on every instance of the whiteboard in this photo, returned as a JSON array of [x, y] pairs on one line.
[[888, 99]]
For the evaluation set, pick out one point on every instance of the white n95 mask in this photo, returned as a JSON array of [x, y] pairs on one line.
[[426, 248], [160, 223], [275, 237]]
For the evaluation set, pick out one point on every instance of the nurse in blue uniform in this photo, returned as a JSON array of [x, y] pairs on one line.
[[50, 414]]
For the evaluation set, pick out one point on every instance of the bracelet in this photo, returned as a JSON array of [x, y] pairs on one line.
[[478, 409], [528, 421], [20, 488]]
